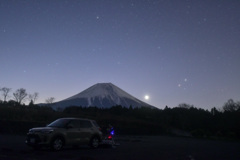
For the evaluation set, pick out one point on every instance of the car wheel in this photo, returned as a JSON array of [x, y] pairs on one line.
[[57, 144], [94, 143]]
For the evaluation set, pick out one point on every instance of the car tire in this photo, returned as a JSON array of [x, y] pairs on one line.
[[57, 144], [94, 143]]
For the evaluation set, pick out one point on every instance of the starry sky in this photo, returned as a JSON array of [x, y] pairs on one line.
[[174, 51]]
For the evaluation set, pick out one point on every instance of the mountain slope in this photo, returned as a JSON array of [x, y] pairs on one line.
[[102, 95]]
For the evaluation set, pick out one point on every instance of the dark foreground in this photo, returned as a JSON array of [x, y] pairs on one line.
[[132, 148]]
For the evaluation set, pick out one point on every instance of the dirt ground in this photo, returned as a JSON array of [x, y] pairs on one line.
[[130, 148]]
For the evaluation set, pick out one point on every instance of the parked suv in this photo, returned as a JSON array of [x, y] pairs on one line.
[[65, 131]]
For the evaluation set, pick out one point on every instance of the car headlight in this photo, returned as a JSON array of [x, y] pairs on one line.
[[30, 131]]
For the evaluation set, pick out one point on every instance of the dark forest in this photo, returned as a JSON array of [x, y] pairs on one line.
[[183, 120]]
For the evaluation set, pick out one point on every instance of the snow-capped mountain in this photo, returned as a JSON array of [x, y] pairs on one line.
[[102, 95]]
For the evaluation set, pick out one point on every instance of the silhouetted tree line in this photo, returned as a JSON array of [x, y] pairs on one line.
[[21, 95], [224, 122]]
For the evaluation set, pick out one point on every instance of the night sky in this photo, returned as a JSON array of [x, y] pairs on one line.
[[174, 51]]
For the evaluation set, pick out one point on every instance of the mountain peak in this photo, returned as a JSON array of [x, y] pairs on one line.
[[102, 95]]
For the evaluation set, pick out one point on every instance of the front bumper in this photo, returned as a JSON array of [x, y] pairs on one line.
[[37, 140]]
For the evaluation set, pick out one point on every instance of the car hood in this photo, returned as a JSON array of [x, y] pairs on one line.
[[42, 128]]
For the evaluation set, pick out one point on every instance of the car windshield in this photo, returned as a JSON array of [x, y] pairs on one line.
[[60, 123]]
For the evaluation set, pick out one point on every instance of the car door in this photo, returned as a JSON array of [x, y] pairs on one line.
[[86, 131], [73, 132]]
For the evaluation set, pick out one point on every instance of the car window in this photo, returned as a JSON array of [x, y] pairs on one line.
[[95, 124], [85, 124], [74, 124], [59, 123]]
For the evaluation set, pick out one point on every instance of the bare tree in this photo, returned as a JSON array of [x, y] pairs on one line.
[[5, 92], [50, 100], [20, 95], [33, 97], [231, 106], [184, 105]]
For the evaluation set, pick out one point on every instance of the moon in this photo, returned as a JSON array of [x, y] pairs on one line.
[[146, 97]]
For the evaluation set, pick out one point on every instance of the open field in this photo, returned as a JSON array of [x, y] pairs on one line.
[[131, 147]]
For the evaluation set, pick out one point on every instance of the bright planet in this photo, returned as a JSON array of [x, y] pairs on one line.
[[146, 97]]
